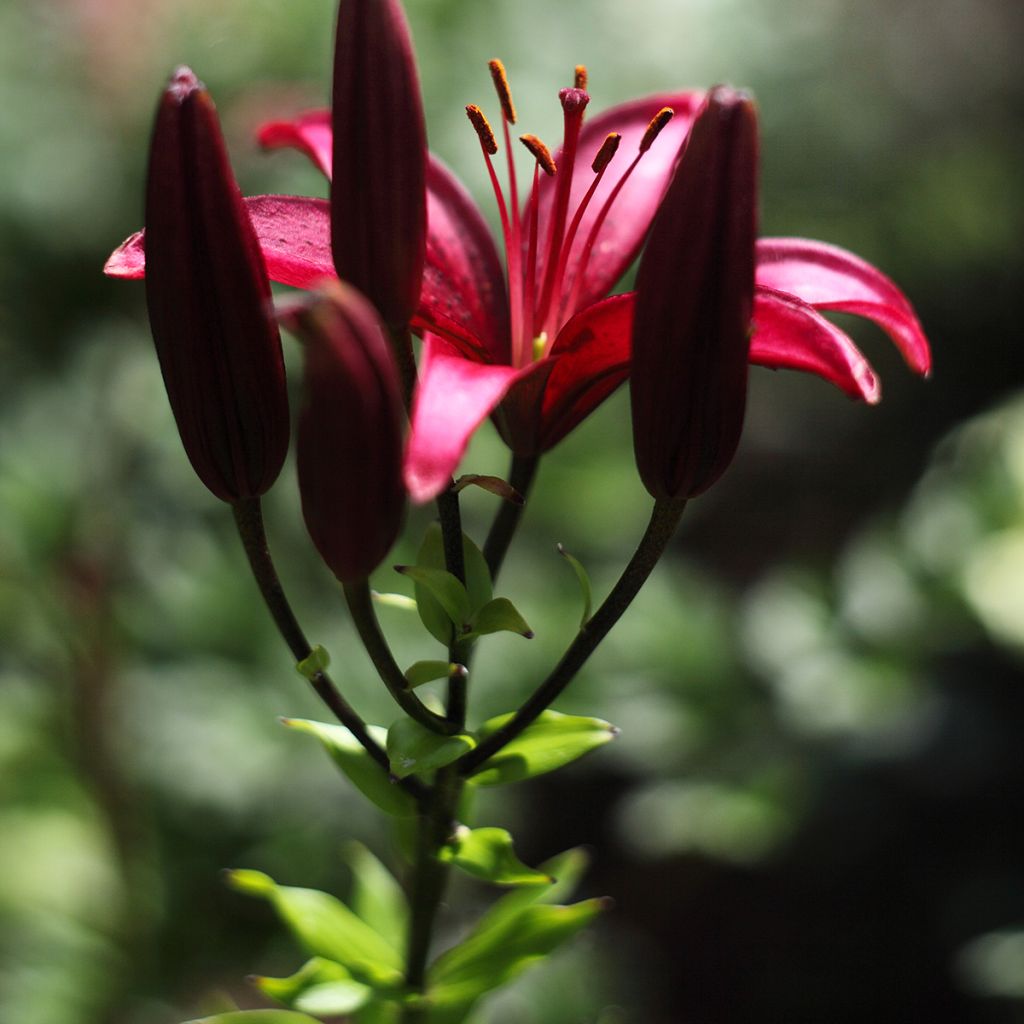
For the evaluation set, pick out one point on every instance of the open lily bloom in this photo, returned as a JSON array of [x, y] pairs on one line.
[[539, 342]]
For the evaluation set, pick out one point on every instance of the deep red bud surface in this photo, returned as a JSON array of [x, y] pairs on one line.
[[378, 192], [350, 433], [695, 289], [209, 302]]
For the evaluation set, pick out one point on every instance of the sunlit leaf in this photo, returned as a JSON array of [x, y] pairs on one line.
[[256, 1017], [550, 742], [369, 777], [326, 928], [565, 868], [499, 616], [376, 895], [584, 581], [319, 987], [487, 853], [401, 601], [496, 952], [415, 749]]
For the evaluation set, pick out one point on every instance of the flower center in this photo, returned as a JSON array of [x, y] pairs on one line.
[[541, 298]]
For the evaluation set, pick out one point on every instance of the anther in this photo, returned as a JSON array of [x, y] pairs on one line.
[[660, 119], [606, 152], [501, 87], [580, 80], [540, 153], [483, 129]]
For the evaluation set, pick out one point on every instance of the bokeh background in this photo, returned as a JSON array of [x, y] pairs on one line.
[[815, 811]]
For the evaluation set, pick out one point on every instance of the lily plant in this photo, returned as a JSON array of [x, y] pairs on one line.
[[528, 332]]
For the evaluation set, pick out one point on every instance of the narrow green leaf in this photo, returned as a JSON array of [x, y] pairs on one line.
[[256, 1017], [376, 895], [400, 601], [320, 987], [494, 954], [478, 582], [447, 590], [552, 741], [378, 1012], [427, 671], [487, 853], [326, 928], [415, 749], [498, 616], [584, 580], [363, 771], [493, 484], [316, 661], [565, 868]]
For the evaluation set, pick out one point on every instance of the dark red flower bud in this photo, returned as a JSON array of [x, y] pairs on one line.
[[695, 289], [350, 432], [209, 302], [378, 192]]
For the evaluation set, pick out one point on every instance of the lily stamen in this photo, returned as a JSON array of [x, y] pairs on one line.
[[580, 76], [653, 130]]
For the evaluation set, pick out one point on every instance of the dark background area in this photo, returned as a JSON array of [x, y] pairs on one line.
[[814, 811]]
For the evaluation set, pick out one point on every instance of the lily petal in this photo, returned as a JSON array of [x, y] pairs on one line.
[[591, 359], [630, 217], [790, 334], [830, 278], [294, 233], [454, 396], [310, 133], [463, 279]]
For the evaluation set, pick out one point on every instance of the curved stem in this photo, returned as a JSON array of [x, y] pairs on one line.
[[521, 474], [664, 519], [249, 520], [360, 605]]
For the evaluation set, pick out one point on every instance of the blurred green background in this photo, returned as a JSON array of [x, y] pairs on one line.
[[814, 811]]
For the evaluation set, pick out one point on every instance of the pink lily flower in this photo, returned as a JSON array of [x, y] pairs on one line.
[[546, 348]]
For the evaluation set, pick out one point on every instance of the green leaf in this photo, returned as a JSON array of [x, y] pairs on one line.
[[427, 671], [326, 928], [415, 749], [498, 616], [495, 953], [565, 868], [400, 601], [320, 987], [378, 1012], [584, 580], [363, 771], [315, 662], [550, 742], [255, 1017], [487, 853], [478, 581], [443, 587], [376, 896]]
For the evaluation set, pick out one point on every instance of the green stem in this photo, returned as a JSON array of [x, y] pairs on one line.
[[360, 604], [521, 474], [451, 532], [664, 519], [430, 878], [401, 346], [249, 520]]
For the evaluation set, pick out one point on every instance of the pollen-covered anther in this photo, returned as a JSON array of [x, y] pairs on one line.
[[501, 87], [580, 76], [660, 119], [608, 149], [483, 128], [540, 153]]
